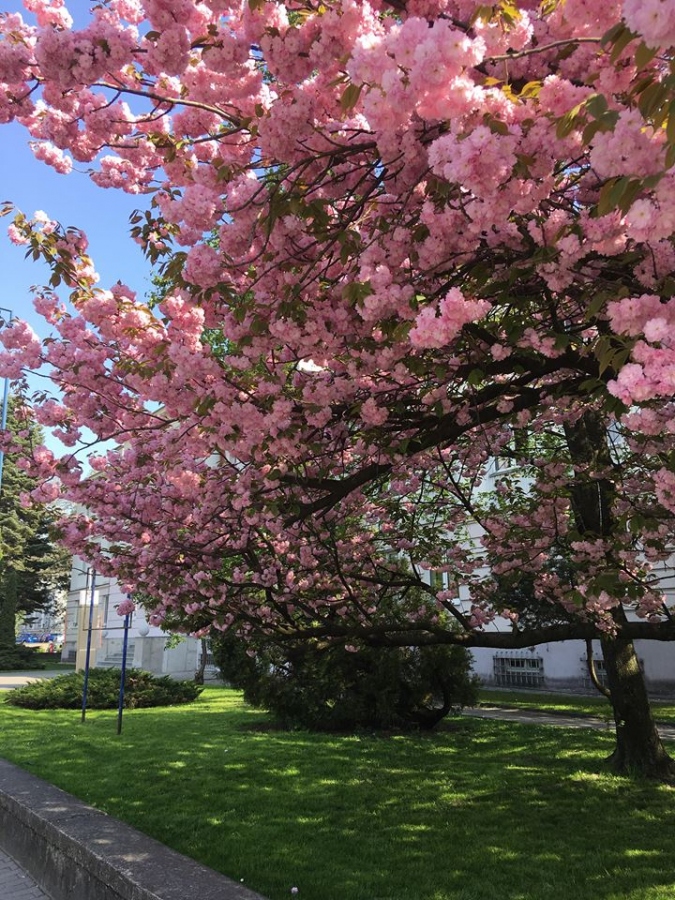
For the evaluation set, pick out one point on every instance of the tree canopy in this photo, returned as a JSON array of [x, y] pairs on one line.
[[401, 238]]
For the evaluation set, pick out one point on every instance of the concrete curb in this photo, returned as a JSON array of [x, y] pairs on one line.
[[75, 852]]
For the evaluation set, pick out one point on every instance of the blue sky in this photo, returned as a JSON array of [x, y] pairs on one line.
[[72, 200]]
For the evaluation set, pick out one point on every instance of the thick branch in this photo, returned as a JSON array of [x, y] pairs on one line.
[[441, 431], [593, 672], [419, 635]]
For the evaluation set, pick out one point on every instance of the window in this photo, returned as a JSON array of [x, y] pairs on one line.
[[444, 581], [518, 671], [600, 669], [439, 581], [518, 448]]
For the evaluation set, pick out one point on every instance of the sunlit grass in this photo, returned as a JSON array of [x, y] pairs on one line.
[[569, 704], [477, 811]]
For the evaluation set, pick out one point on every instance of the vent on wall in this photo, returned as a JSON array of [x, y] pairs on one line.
[[518, 670]]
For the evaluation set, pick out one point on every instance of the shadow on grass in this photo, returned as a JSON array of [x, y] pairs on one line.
[[482, 810]]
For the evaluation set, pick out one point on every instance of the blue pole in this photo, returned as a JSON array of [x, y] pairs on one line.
[[88, 656], [125, 644], [5, 403]]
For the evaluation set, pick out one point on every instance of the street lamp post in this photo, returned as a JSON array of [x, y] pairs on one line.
[[5, 398], [92, 597], [123, 673]]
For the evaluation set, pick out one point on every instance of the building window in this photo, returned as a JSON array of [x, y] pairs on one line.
[[516, 450], [443, 581], [600, 669], [518, 671]]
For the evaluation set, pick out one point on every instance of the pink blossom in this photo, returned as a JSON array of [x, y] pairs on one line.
[[385, 268], [654, 20], [126, 607], [437, 327]]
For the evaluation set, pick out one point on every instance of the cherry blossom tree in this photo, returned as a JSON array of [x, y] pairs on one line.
[[400, 239]]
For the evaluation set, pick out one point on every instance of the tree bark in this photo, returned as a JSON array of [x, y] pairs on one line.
[[639, 750], [201, 668], [593, 672]]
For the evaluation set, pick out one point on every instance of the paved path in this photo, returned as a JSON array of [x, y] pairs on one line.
[[530, 717], [9, 680], [15, 884]]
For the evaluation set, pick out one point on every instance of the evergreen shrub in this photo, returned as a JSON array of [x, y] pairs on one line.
[[141, 689], [329, 687], [16, 657]]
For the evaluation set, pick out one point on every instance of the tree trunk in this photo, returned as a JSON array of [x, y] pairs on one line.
[[201, 668], [8, 605], [639, 750]]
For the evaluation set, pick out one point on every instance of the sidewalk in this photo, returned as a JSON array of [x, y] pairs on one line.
[[15, 884], [530, 717], [9, 680]]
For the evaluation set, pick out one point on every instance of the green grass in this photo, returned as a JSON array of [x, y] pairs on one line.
[[565, 703], [477, 811]]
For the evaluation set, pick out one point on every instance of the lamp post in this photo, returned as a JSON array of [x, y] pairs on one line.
[[89, 631], [5, 398], [123, 673]]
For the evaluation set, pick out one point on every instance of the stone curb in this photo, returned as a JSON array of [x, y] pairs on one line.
[[75, 852]]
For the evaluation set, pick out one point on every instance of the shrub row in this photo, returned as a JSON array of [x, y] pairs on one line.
[[14, 657], [141, 689]]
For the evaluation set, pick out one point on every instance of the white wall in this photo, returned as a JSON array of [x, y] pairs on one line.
[[95, 601]]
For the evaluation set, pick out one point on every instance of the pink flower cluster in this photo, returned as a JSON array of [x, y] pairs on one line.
[[390, 237], [126, 607], [437, 327]]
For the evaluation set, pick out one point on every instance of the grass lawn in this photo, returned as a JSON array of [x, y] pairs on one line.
[[477, 811], [565, 703]]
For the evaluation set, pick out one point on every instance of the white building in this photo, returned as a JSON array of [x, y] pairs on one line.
[[561, 666], [93, 626]]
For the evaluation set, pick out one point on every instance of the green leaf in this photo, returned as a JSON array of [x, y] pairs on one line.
[[620, 42], [611, 194], [357, 291], [653, 98], [350, 97], [567, 123], [644, 55], [596, 304], [531, 89], [610, 36], [670, 127], [205, 406], [597, 105], [496, 126]]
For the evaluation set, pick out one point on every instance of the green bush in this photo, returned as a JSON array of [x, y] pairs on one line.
[[141, 689], [306, 684], [14, 657]]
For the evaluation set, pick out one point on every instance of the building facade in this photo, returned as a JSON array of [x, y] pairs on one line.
[[94, 629]]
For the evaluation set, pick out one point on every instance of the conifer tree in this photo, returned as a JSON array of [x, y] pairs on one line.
[[32, 565]]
